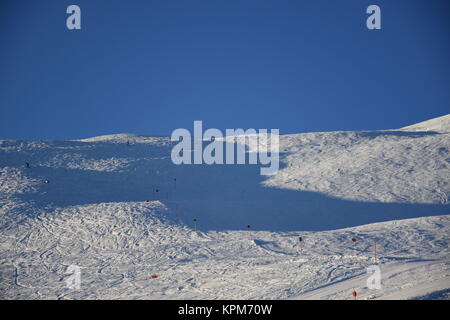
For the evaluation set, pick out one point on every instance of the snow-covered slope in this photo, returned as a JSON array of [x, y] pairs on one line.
[[377, 166], [119, 246], [441, 124], [117, 207]]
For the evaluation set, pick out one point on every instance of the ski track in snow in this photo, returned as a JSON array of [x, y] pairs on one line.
[[331, 187]]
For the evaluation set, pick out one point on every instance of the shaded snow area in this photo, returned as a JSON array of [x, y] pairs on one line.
[[116, 207]]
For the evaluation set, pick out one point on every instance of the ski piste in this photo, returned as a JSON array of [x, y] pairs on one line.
[[226, 232]]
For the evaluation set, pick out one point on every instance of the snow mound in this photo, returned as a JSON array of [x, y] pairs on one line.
[[126, 138], [119, 137], [441, 124]]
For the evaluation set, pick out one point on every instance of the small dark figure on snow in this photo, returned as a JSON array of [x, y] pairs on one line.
[[27, 165], [354, 239], [300, 239], [195, 223]]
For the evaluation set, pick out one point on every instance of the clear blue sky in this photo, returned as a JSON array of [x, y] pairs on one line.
[[150, 67]]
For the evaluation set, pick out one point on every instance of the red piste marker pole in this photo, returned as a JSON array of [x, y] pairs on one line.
[[354, 294], [354, 243]]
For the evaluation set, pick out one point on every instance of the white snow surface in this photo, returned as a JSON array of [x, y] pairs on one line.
[[441, 124], [123, 212]]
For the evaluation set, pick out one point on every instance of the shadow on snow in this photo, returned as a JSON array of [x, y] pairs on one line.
[[220, 197]]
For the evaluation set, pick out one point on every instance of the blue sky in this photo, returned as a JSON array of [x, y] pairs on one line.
[[150, 67]]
